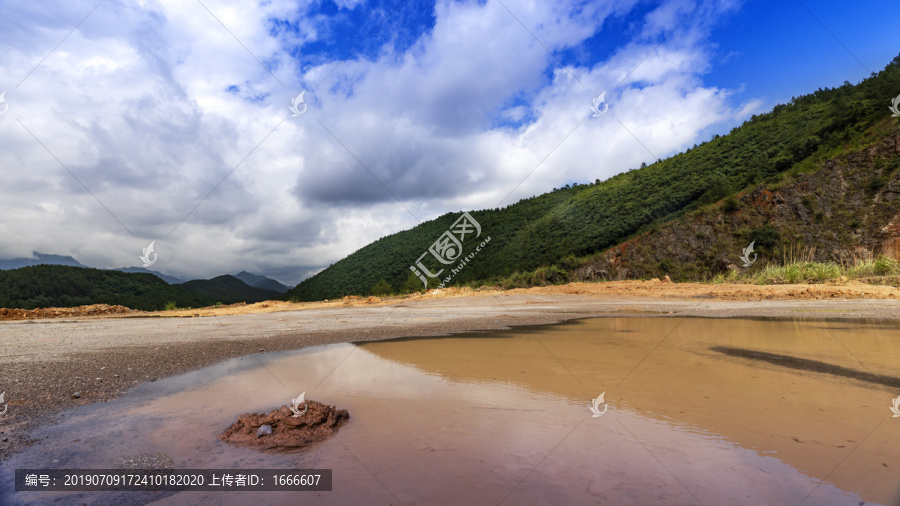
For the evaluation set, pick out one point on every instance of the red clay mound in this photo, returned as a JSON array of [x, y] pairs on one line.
[[287, 432]]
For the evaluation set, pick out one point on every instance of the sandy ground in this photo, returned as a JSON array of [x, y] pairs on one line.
[[50, 364], [653, 288]]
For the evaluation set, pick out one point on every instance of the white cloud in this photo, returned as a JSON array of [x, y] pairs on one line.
[[152, 105]]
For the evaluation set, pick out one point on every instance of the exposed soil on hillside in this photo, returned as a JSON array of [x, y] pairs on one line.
[[62, 312], [271, 306], [845, 211]]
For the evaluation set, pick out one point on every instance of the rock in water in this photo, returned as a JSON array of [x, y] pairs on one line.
[[286, 432], [264, 430]]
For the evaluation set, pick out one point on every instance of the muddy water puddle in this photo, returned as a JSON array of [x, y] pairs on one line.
[[697, 411]]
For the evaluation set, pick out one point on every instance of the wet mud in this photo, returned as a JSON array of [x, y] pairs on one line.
[[286, 432]]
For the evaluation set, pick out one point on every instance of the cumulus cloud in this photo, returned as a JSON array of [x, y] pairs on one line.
[[168, 121]]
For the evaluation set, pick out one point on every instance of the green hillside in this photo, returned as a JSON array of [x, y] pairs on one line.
[[228, 289], [587, 218], [64, 286]]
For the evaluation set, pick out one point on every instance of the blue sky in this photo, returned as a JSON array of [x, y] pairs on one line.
[[168, 121], [777, 49]]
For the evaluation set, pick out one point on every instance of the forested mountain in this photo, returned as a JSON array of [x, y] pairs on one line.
[[553, 229], [65, 286], [228, 289]]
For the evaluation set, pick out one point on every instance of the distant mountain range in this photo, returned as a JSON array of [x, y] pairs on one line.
[[229, 289], [172, 280], [263, 282], [38, 286], [44, 285], [56, 280], [39, 259], [253, 280]]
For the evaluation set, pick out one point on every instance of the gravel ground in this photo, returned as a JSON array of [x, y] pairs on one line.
[[47, 366]]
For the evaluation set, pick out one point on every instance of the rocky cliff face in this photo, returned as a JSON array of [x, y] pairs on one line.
[[848, 210]]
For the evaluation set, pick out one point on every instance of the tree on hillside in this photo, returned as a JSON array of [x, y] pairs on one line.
[[381, 288], [412, 284]]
